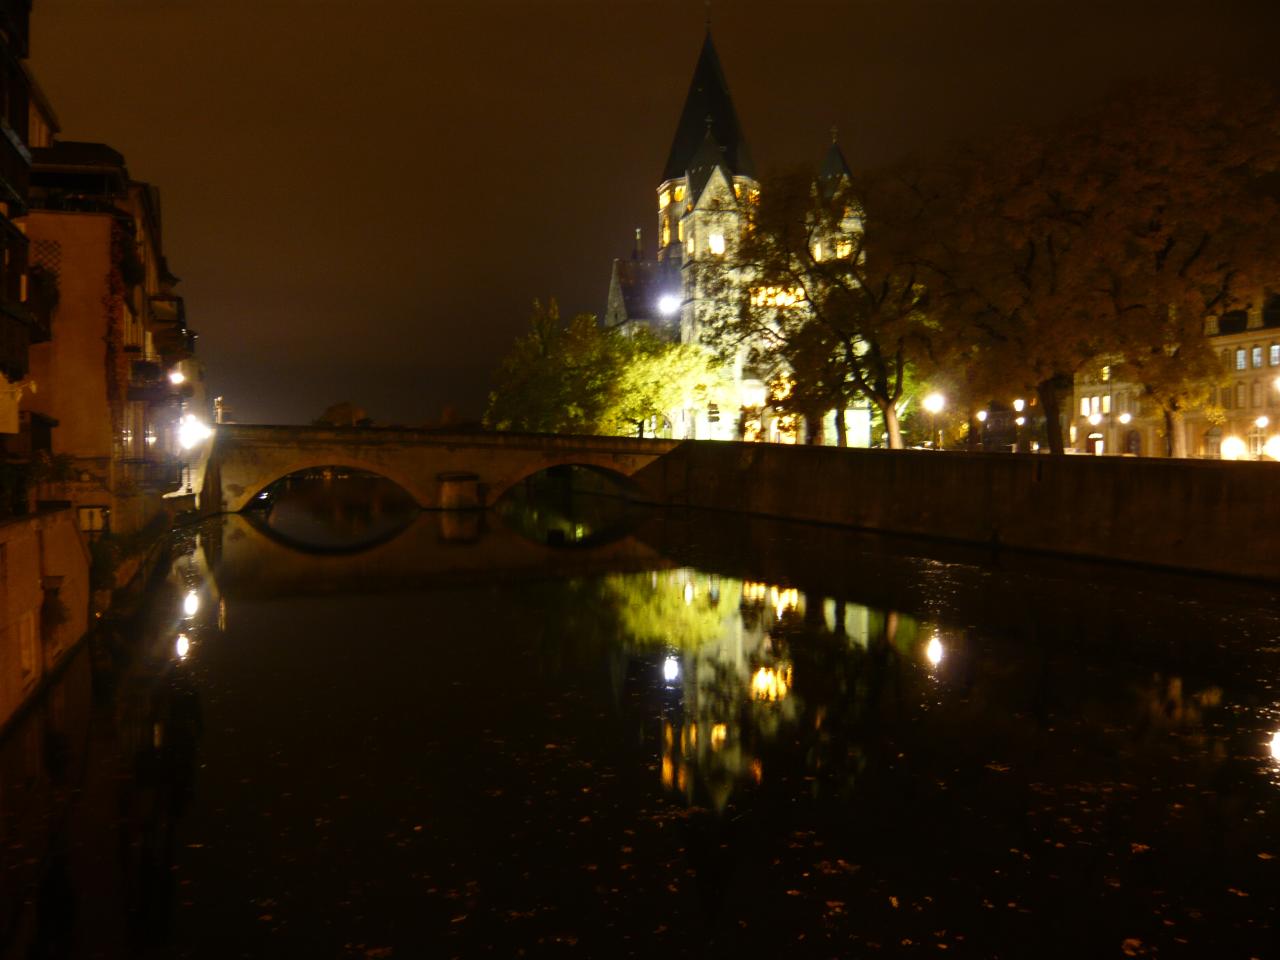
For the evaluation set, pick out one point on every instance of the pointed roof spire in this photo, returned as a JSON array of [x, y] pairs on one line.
[[709, 156], [835, 169], [708, 98]]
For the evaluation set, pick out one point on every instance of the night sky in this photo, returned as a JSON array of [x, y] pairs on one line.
[[363, 196]]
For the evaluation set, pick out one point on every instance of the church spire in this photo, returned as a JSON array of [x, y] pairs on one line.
[[708, 97]]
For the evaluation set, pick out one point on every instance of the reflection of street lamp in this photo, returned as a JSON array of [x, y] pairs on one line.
[[934, 403], [1018, 406]]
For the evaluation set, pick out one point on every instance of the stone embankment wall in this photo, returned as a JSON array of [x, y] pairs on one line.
[[44, 601], [1196, 515]]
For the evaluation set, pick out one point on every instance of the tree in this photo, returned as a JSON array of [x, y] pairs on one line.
[[580, 378], [344, 414], [829, 300]]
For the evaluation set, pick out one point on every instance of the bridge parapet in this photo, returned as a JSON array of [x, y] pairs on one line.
[[430, 465]]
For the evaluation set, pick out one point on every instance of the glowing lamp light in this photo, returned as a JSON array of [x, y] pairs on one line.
[[668, 304], [1019, 404], [176, 377], [1095, 418], [933, 652], [182, 646], [716, 243], [1275, 745], [688, 593], [191, 604], [191, 432], [1262, 422], [1272, 447], [1233, 448], [671, 669], [1125, 418], [934, 403], [982, 416], [1020, 421]]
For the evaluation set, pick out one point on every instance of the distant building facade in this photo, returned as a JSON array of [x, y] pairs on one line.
[[705, 194]]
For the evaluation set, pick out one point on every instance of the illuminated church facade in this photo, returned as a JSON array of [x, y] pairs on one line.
[[704, 194]]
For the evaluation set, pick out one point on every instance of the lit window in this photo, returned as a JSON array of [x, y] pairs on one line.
[[666, 231], [1084, 406], [1106, 403], [737, 190], [1274, 358], [664, 199], [817, 250], [1106, 374], [1093, 404], [844, 248], [1240, 359], [1257, 357], [680, 230], [679, 192], [716, 242]]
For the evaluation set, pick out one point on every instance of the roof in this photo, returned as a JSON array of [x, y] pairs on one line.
[[834, 166], [77, 153], [643, 282], [708, 102], [709, 156]]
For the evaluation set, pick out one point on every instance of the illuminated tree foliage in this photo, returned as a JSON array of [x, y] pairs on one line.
[[580, 378], [829, 298]]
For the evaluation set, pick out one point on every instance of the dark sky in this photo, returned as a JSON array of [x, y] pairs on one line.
[[363, 196]]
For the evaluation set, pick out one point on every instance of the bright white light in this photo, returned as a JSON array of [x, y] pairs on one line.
[[1095, 418], [1233, 448], [982, 416], [934, 403], [933, 652], [191, 603], [1125, 418], [1275, 745], [1020, 421], [192, 432], [176, 377], [182, 646], [1019, 404], [668, 304], [1272, 447], [688, 593], [716, 243], [1262, 422], [670, 669]]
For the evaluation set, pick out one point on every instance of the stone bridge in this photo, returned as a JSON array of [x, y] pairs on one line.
[[440, 470]]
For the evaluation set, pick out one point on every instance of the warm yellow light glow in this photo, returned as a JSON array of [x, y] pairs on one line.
[[933, 651], [191, 432], [1275, 745], [1095, 418], [191, 603], [844, 248], [1272, 447], [679, 192], [688, 593], [754, 591], [716, 243], [1020, 421], [1019, 404], [784, 600], [719, 734], [1262, 422], [1125, 418], [752, 395], [934, 403], [176, 377], [776, 296], [982, 416], [668, 772], [770, 684], [182, 646], [1234, 448], [664, 199]]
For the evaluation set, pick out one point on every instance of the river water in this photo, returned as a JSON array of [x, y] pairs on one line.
[[338, 729]]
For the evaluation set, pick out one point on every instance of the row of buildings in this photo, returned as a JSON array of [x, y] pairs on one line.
[[704, 196], [100, 390]]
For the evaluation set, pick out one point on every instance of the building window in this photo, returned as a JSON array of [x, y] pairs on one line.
[[1240, 397], [1106, 403], [716, 243], [1257, 357], [680, 230], [713, 413], [664, 199], [1093, 404], [1084, 406], [679, 192], [1274, 359], [1240, 359], [666, 231], [1257, 393]]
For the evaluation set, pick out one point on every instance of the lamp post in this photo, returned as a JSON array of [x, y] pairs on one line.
[[1018, 406], [982, 428], [934, 403]]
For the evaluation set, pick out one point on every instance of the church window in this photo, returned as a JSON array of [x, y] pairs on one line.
[[666, 231], [664, 199], [817, 250], [679, 192], [680, 230], [737, 190], [844, 248], [1084, 406], [716, 243]]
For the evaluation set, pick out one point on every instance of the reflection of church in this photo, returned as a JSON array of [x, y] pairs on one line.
[[704, 196]]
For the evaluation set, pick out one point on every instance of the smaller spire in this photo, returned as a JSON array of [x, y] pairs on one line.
[[835, 134], [708, 15]]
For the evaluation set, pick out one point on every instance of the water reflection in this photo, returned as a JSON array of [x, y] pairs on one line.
[[333, 509]]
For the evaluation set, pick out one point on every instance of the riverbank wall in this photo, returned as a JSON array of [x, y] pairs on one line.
[[1196, 515], [44, 601]]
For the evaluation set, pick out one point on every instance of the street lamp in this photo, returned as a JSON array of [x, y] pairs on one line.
[[668, 304], [1018, 406], [934, 403]]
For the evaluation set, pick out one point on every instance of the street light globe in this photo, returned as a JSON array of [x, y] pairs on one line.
[[192, 432], [982, 416], [1019, 404], [934, 403], [1233, 448], [1095, 419], [668, 304], [1020, 421], [177, 377], [1272, 447], [1125, 418], [1262, 422]]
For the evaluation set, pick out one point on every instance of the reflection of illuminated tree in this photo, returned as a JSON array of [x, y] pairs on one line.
[[678, 609]]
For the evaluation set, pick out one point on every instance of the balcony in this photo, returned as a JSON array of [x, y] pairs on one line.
[[151, 476], [148, 383]]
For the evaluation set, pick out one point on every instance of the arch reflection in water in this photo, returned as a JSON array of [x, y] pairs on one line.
[[333, 510], [569, 506]]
